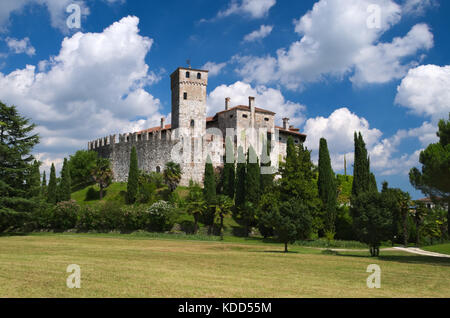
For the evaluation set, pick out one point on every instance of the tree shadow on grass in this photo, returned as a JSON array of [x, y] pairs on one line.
[[13, 234], [408, 259]]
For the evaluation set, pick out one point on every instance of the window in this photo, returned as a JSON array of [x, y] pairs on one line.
[[185, 95], [245, 116], [231, 116], [266, 119], [158, 169], [192, 123], [296, 141], [188, 74], [199, 75]]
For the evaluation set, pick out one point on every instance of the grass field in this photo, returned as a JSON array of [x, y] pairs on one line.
[[129, 266], [440, 248]]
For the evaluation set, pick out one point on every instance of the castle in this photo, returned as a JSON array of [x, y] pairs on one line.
[[192, 137]]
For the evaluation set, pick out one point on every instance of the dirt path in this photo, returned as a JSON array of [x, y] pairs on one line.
[[413, 250]]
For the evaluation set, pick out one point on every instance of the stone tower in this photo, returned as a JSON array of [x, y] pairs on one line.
[[189, 99], [189, 119]]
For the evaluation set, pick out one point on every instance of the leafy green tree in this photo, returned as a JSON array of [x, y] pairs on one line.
[[434, 178], [16, 143], [102, 175], [81, 165], [209, 193], [172, 175], [52, 189], [344, 188], [146, 188], [372, 219], [65, 188], [196, 204], [229, 172], [133, 178], [224, 206], [327, 188], [398, 203]]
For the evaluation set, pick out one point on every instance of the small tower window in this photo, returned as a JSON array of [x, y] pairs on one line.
[[158, 169], [266, 119], [199, 76], [245, 116], [188, 75], [185, 95], [192, 123]]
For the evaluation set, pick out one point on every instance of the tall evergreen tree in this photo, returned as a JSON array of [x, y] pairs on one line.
[[241, 172], [266, 179], [252, 180], [361, 169], [52, 189], [16, 144], [229, 172], [65, 188], [44, 185], [209, 194], [133, 178], [35, 180], [327, 187]]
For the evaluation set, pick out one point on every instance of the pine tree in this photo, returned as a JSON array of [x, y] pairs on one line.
[[52, 190], [229, 172], [327, 187], [16, 144], [133, 178], [65, 184], [252, 180]]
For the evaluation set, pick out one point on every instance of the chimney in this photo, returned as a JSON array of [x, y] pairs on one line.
[[285, 123], [251, 103], [227, 103], [162, 122]]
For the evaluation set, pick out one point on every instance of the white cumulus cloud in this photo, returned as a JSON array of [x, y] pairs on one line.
[[337, 40], [20, 46], [426, 91], [213, 68], [95, 86]]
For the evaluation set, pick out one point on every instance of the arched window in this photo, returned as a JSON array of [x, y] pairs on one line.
[[199, 75], [192, 123], [188, 74], [185, 95], [158, 169]]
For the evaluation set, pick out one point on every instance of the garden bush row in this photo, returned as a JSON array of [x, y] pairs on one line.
[[103, 217]]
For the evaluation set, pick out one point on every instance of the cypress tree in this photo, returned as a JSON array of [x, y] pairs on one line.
[[252, 180], [65, 184], [52, 195], [209, 194], [229, 173], [209, 190], [35, 180], [241, 172], [266, 169], [44, 186], [327, 187], [133, 178], [361, 169]]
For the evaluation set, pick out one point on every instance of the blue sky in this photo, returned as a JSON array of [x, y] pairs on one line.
[[333, 67]]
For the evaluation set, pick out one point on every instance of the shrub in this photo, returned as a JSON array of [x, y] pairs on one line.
[[88, 219], [65, 215], [12, 220], [109, 216], [160, 217], [157, 179], [42, 217]]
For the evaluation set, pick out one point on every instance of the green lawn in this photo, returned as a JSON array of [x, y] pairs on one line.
[[114, 265], [440, 248]]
